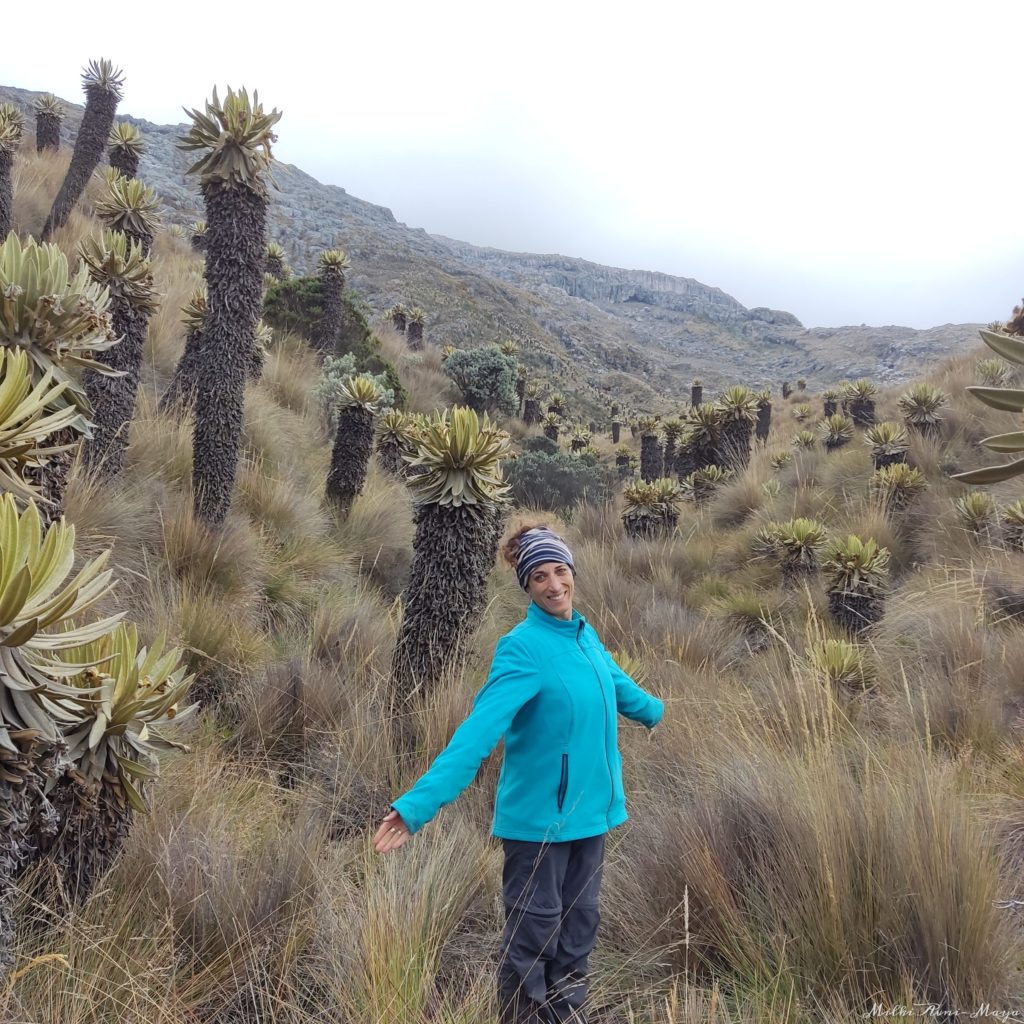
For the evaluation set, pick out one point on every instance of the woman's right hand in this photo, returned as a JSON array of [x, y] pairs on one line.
[[393, 832]]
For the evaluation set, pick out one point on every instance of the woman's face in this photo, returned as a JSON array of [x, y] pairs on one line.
[[551, 586]]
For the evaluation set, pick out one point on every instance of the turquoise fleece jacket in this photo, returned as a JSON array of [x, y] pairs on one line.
[[552, 692]]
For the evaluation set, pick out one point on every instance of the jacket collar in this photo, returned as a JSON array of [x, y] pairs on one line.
[[567, 627]]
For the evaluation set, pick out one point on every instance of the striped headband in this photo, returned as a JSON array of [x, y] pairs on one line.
[[536, 547]]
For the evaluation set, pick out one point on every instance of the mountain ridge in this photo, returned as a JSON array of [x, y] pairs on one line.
[[639, 336]]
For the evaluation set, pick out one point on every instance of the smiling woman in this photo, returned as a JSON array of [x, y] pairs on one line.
[[552, 693]]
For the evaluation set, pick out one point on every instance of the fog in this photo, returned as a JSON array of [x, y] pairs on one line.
[[850, 164]]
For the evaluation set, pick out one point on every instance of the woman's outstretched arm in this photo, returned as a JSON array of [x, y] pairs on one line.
[[632, 700]]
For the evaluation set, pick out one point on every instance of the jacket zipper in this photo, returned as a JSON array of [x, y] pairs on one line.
[[604, 704], [563, 782]]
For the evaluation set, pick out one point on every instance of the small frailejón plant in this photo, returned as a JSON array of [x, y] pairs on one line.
[[62, 321], [829, 402], [580, 438], [994, 373], [896, 485], [856, 575], [331, 269], [126, 148], [836, 432], [399, 317], [804, 439], [779, 459], [353, 441], [460, 501], [841, 664], [860, 401], [977, 513], [129, 206], [700, 486], [41, 609], [49, 114], [531, 404], [1008, 342], [12, 128], [102, 82], [180, 392], [1012, 521], [128, 696], [802, 413], [393, 441], [668, 496], [889, 443], [414, 329], [276, 262], [123, 270], [641, 515], [624, 461], [551, 424], [699, 445], [234, 139], [197, 235], [651, 458], [738, 406], [672, 429], [920, 406], [793, 546], [557, 404]]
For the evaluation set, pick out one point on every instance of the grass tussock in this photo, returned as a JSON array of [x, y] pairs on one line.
[[822, 821]]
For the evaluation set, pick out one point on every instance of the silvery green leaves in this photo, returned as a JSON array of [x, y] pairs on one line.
[[1011, 348]]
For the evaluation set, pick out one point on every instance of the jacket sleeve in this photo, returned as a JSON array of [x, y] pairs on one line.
[[512, 681], [633, 701]]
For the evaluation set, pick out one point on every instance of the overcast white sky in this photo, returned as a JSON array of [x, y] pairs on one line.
[[846, 162]]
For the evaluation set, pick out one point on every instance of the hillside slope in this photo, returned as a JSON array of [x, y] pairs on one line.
[[601, 331]]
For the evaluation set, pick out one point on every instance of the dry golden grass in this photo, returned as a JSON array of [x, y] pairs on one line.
[[793, 852]]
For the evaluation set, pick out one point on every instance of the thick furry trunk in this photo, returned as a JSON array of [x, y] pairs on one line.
[[332, 305], [47, 132], [414, 334], [651, 459], [274, 266], [125, 162], [113, 398], [100, 107], [389, 455], [616, 431], [51, 478], [735, 444], [829, 406], [855, 612], [353, 446], [454, 551], [862, 411], [180, 392], [6, 192], [399, 321], [531, 412], [236, 225], [696, 395], [764, 421]]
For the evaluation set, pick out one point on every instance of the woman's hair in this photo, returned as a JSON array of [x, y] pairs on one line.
[[510, 549]]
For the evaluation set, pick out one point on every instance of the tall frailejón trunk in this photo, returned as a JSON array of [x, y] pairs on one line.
[[414, 334], [696, 394], [100, 108], [353, 446], [47, 132], [125, 161], [332, 305], [439, 617], [616, 431], [113, 398], [235, 232], [6, 192], [764, 421], [180, 392], [651, 458]]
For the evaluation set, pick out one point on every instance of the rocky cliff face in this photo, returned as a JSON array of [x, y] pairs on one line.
[[638, 336]]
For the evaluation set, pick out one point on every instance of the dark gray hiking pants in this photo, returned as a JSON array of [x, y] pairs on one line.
[[551, 917]]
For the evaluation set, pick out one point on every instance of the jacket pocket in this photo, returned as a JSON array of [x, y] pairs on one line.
[[563, 782]]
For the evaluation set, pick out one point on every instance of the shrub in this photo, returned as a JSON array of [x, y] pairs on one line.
[[555, 480], [486, 377]]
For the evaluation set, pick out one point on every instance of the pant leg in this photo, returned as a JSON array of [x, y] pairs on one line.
[[567, 975], [532, 880]]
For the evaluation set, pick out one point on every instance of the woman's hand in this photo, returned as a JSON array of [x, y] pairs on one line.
[[393, 832]]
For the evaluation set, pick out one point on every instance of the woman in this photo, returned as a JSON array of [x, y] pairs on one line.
[[552, 693]]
